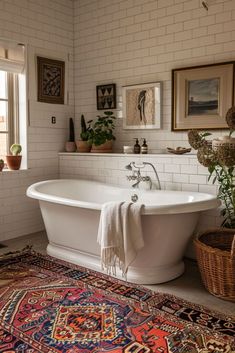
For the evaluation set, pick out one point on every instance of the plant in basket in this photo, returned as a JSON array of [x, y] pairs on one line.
[[215, 248]]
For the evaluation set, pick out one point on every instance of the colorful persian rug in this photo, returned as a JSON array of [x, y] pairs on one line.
[[51, 306]]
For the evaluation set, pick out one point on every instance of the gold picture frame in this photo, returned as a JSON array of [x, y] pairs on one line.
[[51, 77], [201, 96]]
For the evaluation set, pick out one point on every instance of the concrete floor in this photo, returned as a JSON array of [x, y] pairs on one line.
[[188, 286]]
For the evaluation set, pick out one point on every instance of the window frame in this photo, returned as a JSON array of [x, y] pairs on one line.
[[12, 116]]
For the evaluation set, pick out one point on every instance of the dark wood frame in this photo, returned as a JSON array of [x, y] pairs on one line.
[[100, 87], [42, 65], [173, 100]]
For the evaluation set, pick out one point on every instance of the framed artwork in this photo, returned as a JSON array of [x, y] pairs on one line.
[[201, 96], [142, 106], [106, 96], [51, 76]]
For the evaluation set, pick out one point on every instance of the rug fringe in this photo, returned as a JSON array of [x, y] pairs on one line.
[[7, 255]]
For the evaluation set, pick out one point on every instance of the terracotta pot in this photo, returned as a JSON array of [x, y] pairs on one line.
[[104, 148], [83, 146], [70, 146], [13, 162]]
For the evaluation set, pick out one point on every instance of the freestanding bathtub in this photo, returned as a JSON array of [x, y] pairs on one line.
[[71, 212]]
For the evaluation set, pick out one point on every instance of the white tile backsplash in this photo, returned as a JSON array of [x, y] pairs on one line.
[[110, 168]]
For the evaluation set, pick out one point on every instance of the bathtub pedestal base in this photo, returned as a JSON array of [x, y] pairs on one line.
[[152, 275]]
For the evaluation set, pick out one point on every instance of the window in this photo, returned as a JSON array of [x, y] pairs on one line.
[[12, 97], [9, 132]]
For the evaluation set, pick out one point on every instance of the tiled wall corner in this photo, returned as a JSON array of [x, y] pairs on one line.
[[45, 26]]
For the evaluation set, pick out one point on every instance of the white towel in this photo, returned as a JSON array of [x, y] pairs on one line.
[[119, 235]]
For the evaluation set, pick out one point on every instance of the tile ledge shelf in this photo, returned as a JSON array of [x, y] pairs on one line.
[[17, 171], [128, 154]]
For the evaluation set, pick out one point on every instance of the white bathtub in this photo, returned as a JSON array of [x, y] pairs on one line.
[[71, 212]]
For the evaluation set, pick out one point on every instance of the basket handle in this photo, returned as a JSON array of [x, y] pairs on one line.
[[233, 249]]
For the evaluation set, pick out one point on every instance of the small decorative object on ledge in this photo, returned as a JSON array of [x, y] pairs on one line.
[[178, 150], [215, 248], [14, 159], [70, 145], [1, 164], [128, 149], [106, 96]]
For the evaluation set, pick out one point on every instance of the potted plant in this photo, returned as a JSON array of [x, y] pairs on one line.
[[70, 145], [215, 248], [14, 159], [1, 164], [84, 145], [101, 134]]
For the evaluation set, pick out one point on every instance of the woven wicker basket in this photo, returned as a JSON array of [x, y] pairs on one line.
[[215, 251]]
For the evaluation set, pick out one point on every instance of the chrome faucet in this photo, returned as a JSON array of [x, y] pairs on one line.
[[136, 175]]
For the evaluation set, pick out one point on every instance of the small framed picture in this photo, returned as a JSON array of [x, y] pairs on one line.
[[142, 106], [51, 76], [201, 96], [106, 96]]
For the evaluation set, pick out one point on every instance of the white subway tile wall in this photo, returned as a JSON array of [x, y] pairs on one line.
[[109, 41], [131, 42], [43, 26], [182, 173]]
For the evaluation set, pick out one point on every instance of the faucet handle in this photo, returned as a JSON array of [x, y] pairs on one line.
[[131, 177]]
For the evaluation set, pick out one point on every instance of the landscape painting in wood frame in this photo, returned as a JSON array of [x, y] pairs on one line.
[[51, 77], [201, 96]]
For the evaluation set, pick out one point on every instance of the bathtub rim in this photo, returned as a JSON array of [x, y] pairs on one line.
[[210, 203]]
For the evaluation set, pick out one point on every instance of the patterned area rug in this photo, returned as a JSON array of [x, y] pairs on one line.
[[51, 306]]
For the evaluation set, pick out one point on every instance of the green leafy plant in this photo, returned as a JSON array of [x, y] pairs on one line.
[[102, 129], [85, 130], [220, 162], [226, 193], [15, 149]]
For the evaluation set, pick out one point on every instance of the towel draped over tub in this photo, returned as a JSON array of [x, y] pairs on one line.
[[119, 235]]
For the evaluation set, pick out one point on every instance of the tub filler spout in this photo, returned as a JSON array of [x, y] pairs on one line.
[[137, 176]]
